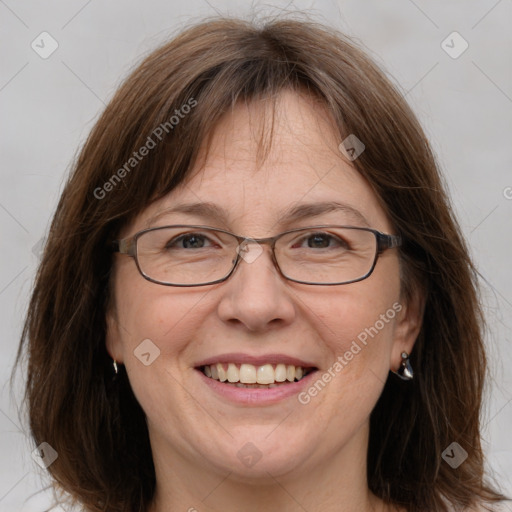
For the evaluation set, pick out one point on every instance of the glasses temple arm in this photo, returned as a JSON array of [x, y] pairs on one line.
[[385, 241], [125, 246]]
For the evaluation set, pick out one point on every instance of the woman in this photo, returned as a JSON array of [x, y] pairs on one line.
[[253, 236]]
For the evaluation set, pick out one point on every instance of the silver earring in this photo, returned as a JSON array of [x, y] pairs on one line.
[[115, 366], [405, 371]]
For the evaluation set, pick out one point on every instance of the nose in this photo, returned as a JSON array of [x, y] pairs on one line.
[[256, 295]]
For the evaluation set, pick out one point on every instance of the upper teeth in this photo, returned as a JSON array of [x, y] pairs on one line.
[[250, 374]]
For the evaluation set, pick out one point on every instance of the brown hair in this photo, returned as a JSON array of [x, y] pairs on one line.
[[96, 425]]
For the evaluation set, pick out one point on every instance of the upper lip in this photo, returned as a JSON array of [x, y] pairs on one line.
[[239, 358]]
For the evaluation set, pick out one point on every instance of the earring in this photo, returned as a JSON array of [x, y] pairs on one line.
[[115, 366], [405, 371]]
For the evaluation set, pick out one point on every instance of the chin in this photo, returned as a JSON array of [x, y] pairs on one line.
[[262, 455]]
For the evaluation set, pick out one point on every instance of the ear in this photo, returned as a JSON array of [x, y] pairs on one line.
[[408, 325], [112, 336]]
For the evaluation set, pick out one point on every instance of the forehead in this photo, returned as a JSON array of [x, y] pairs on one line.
[[303, 168]]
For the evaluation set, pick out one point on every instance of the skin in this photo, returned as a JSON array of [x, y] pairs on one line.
[[313, 455]]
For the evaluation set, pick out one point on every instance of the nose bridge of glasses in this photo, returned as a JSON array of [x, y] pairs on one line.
[[249, 249]]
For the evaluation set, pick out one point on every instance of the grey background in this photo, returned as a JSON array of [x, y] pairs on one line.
[[49, 105]]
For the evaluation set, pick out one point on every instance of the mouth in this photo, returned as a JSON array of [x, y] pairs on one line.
[[250, 376]]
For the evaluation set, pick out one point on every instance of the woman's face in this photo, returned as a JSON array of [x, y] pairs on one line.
[[353, 334]]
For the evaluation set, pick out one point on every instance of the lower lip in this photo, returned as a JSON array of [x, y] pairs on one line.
[[257, 396]]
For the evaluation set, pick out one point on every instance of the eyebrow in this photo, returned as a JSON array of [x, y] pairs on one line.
[[213, 212]]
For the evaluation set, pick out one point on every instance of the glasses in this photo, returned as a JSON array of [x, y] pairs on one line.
[[184, 255]]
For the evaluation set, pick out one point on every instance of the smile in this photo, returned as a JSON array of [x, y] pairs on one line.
[[250, 376]]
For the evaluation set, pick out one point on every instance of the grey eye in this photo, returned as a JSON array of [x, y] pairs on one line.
[[323, 240], [188, 241]]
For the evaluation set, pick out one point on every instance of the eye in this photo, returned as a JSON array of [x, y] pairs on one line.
[[188, 241], [319, 240], [322, 240]]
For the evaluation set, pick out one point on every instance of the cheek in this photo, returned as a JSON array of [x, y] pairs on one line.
[[147, 311], [161, 324], [356, 322], [361, 336], [166, 318], [357, 330]]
